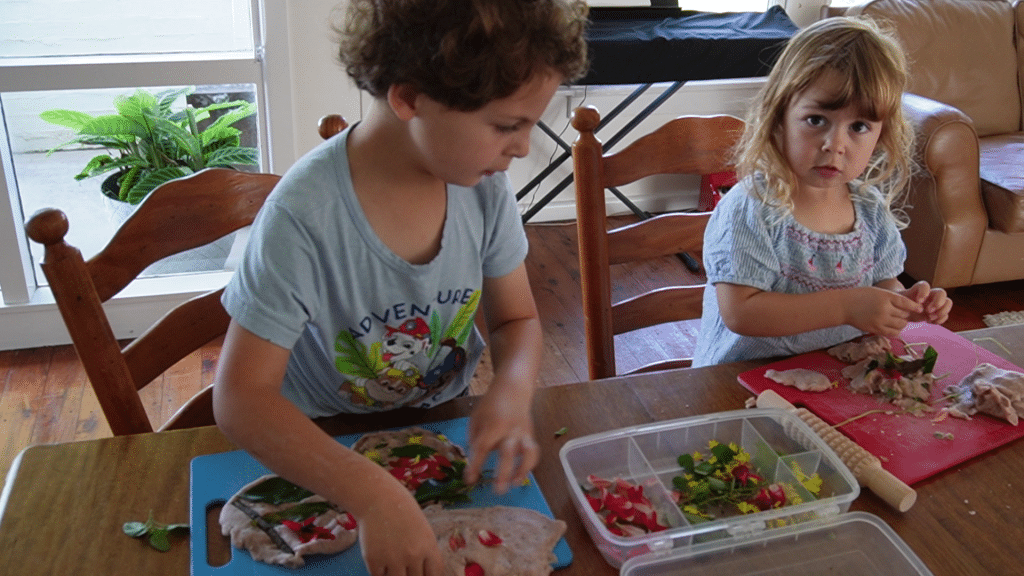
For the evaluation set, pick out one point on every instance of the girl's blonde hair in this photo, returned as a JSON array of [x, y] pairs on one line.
[[873, 72]]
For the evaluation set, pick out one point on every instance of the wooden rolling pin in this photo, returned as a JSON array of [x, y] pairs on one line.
[[866, 467]]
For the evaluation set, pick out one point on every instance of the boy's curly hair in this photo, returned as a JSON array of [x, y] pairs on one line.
[[461, 53], [873, 67]]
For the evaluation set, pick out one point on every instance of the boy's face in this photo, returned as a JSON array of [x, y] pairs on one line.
[[463, 147], [826, 148]]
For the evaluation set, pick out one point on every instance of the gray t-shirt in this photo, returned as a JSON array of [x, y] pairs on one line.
[[750, 243], [369, 331]]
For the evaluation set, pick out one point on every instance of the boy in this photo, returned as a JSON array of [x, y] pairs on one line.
[[366, 265]]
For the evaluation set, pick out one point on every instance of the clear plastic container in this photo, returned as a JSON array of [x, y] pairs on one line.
[[854, 544], [647, 456]]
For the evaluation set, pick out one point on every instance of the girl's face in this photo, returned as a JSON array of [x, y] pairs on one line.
[[826, 148], [463, 147]]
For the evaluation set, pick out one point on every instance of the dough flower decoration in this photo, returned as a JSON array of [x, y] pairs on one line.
[[414, 471], [427, 473], [307, 530]]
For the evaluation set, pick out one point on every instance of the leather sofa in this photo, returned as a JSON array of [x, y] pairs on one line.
[[966, 204]]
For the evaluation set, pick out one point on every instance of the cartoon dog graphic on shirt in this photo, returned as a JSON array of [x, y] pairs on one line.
[[397, 377], [402, 344]]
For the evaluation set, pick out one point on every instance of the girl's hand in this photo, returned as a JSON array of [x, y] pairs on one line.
[[934, 301], [502, 421], [880, 311], [395, 537]]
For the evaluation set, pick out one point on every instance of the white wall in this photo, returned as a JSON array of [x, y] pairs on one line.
[[319, 83], [320, 86]]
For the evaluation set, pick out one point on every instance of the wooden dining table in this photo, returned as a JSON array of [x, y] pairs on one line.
[[63, 505]]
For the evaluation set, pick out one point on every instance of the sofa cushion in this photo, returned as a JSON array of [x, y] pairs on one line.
[[1019, 9], [1002, 181], [962, 53]]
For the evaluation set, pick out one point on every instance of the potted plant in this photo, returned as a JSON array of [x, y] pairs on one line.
[[152, 143]]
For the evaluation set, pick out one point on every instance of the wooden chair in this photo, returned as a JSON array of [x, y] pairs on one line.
[[177, 216], [686, 145]]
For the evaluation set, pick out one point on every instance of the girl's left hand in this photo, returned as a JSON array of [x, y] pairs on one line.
[[934, 302], [502, 421]]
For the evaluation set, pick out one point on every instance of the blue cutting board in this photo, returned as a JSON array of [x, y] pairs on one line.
[[217, 477]]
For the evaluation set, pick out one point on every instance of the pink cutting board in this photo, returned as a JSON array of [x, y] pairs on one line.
[[907, 445]]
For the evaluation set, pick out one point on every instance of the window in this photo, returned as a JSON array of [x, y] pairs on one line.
[[81, 61]]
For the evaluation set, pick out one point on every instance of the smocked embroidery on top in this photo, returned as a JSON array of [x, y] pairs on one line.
[[832, 252]]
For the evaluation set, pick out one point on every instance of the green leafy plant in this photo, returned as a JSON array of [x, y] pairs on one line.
[[157, 532], [149, 143]]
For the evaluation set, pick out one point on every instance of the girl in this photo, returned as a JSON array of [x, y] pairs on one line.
[[366, 266], [804, 252]]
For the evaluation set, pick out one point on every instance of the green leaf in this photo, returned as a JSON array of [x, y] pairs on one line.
[[167, 98], [188, 144], [276, 490], [413, 450], [135, 529], [158, 539], [930, 356], [723, 453], [68, 118], [450, 492], [227, 157], [136, 105], [244, 110], [352, 357], [705, 468], [97, 165], [151, 180], [685, 462], [298, 512], [114, 125]]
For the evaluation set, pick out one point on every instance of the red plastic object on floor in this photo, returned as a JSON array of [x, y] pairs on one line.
[[712, 186]]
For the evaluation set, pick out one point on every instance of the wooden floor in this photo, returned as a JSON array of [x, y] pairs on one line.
[[45, 397]]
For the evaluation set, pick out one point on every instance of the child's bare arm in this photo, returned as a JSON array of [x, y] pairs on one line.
[[502, 420], [752, 312], [393, 532]]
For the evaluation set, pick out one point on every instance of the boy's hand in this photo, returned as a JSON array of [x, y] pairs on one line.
[[880, 311], [502, 422], [395, 537], [934, 301]]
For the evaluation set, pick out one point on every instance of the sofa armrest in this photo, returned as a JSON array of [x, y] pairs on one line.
[[947, 214]]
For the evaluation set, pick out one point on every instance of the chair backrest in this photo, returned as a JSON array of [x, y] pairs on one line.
[[177, 216], [686, 145]]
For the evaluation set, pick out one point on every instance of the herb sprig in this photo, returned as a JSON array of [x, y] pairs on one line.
[[159, 533]]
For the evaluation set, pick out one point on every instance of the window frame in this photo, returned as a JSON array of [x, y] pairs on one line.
[[27, 310]]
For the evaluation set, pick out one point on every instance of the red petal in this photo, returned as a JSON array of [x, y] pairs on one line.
[[488, 538], [319, 532], [615, 529], [456, 541], [474, 569], [348, 522]]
